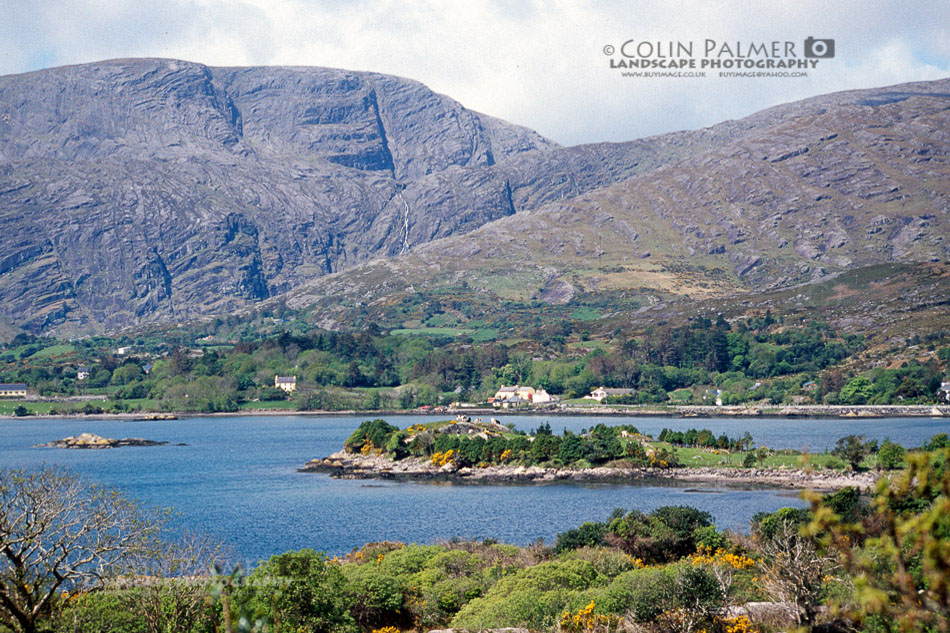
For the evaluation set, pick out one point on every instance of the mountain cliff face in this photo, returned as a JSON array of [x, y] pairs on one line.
[[135, 191]]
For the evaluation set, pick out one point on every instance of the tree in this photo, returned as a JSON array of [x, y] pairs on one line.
[[793, 569], [852, 449], [858, 390], [58, 533], [171, 583]]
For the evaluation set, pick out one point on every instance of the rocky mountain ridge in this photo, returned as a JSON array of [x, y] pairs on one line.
[[138, 191]]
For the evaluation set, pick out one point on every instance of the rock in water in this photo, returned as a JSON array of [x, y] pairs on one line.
[[91, 441]]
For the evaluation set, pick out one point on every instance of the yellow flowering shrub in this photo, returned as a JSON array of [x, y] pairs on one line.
[[586, 621], [737, 624], [706, 556], [505, 455], [386, 629], [441, 459]]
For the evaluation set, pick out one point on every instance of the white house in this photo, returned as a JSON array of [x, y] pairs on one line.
[[287, 383], [505, 392], [945, 390], [541, 397], [601, 393], [82, 372], [511, 402]]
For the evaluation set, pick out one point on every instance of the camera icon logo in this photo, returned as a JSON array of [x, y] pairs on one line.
[[821, 49]]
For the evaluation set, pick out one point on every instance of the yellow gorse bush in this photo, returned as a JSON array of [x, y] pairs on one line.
[[505, 454], [706, 556], [386, 629], [586, 621], [658, 463], [441, 459], [737, 624], [369, 448]]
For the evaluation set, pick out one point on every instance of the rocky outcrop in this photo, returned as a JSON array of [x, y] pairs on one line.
[[90, 441], [346, 465]]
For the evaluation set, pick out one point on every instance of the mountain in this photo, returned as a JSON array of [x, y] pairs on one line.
[[809, 190], [157, 190], [142, 191]]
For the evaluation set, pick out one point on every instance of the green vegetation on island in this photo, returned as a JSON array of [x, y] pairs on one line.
[[467, 444]]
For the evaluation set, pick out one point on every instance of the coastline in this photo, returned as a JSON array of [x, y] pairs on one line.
[[683, 411], [343, 465]]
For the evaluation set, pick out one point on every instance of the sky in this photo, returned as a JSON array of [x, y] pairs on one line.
[[541, 64]]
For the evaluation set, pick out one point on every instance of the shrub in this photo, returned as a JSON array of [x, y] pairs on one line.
[[641, 593], [534, 597], [374, 432], [589, 534], [608, 562], [409, 560], [98, 612], [890, 456], [303, 589], [375, 596]]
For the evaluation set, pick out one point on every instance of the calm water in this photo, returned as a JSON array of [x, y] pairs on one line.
[[237, 479]]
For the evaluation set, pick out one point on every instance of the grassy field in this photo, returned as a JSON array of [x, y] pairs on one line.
[[275, 405], [7, 407], [701, 457], [54, 350]]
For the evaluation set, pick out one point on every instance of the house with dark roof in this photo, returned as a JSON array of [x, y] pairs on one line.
[[12, 390]]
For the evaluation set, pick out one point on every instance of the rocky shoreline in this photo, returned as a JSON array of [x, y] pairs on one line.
[[343, 465]]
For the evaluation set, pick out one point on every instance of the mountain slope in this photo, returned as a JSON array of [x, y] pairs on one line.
[[861, 179]]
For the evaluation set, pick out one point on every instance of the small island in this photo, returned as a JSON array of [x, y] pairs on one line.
[[472, 451], [91, 441]]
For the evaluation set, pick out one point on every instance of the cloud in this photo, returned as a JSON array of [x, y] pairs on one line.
[[534, 63]]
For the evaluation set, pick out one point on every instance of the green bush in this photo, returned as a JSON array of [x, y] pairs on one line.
[[376, 597], [99, 612], [890, 456], [589, 534], [376, 431], [609, 562], [641, 592], [410, 559], [303, 589], [533, 597]]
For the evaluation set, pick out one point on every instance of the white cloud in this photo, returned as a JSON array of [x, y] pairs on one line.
[[534, 63]]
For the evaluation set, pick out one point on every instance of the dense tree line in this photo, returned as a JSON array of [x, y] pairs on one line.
[[702, 362]]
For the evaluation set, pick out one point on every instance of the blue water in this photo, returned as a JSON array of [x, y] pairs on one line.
[[237, 479]]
